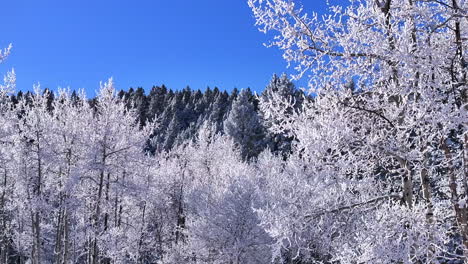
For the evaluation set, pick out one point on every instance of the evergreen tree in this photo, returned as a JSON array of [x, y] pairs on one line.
[[218, 110], [233, 96], [140, 103], [129, 98], [121, 94], [279, 91], [244, 127], [50, 98], [156, 101], [199, 104]]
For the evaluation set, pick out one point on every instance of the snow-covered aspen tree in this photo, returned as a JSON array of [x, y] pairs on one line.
[[7, 121], [404, 121], [67, 150], [115, 160], [34, 176]]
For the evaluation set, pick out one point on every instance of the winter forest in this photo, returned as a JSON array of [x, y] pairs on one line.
[[367, 164]]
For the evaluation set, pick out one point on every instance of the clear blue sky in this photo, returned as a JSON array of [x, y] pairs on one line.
[[77, 43]]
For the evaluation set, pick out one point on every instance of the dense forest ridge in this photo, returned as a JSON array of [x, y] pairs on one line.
[[178, 115]]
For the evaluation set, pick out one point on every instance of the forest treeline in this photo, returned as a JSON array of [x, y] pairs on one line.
[[178, 115]]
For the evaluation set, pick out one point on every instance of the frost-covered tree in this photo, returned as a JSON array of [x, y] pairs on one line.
[[9, 80], [156, 101], [115, 160], [74, 179], [35, 180], [141, 104], [244, 126], [7, 132], [218, 110], [363, 154], [215, 222], [279, 91]]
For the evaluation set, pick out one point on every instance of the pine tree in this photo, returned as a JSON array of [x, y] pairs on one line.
[[243, 125], [156, 101], [280, 90], [218, 109], [140, 103]]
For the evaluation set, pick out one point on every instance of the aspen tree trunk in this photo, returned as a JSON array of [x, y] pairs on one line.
[[180, 218], [95, 249], [463, 84], [3, 221], [3, 238], [58, 231], [62, 240], [460, 212], [21, 230], [407, 182], [64, 224], [180, 210], [116, 205], [66, 239], [35, 215], [36, 249], [459, 80], [106, 214], [460, 53], [119, 215], [142, 230], [116, 210], [58, 236], [426, 189], [425, 185]]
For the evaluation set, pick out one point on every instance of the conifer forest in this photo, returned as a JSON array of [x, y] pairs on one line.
[[367, 164]]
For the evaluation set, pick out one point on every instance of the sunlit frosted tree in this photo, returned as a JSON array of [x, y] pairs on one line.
[[366, 151], [7, 121], [244, 126]]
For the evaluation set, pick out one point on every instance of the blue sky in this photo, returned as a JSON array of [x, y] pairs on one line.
[[77, 43]]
